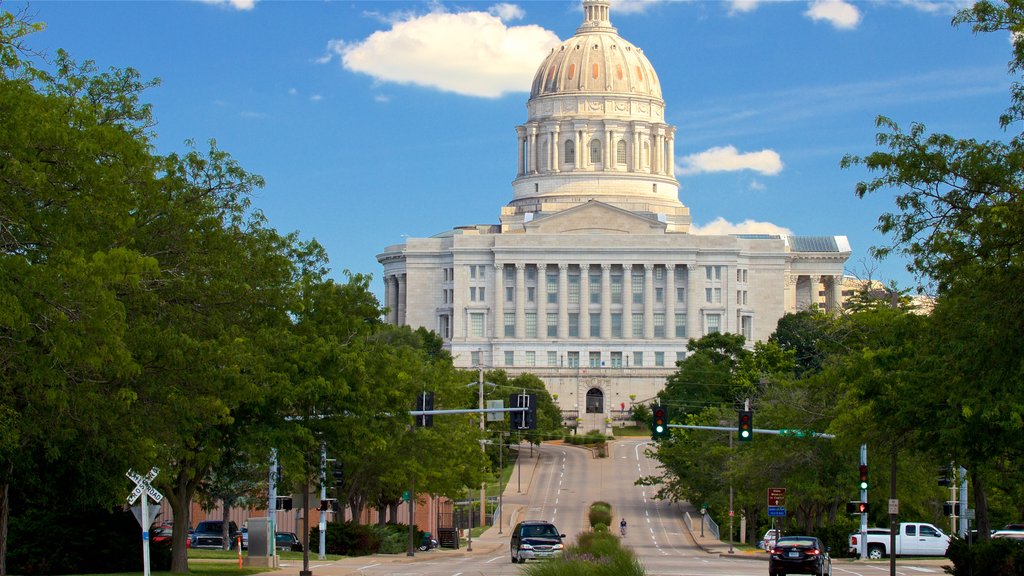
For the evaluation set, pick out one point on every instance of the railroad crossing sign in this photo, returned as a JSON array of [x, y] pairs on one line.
[[142, 484]]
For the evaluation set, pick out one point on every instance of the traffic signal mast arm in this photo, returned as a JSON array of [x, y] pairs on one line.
[[464, 411], [782, 432]]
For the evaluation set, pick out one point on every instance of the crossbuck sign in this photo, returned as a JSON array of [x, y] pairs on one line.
[[142, 485]]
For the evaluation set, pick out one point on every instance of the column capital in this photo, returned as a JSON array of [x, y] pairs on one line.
[[606, 266], [563, 266], [520, 266], [648, 267]]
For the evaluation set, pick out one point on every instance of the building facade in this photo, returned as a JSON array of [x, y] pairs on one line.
[[591, 279]]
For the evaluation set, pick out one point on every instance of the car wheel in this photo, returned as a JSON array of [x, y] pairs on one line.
[[514, 557], [876, 552]]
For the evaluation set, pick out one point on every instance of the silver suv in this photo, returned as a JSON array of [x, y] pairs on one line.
[[535, 539]]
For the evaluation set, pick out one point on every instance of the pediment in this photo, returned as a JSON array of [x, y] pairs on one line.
[[595, 217]]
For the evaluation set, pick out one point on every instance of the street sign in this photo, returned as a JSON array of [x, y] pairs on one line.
[[145, 515], [776, 497], [777, 511], [894, 506]]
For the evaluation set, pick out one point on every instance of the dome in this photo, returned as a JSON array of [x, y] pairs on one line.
[[595, 130], [596, 59]]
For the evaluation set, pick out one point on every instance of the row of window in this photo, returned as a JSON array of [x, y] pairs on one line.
[[551, 325], [712, 323], [594, 359]]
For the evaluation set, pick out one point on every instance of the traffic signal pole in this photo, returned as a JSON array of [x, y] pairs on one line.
[[864, 498]]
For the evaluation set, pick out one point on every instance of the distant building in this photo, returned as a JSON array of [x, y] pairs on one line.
[[591, 279]]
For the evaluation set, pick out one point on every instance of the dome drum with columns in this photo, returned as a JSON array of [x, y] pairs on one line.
[[591, 280]]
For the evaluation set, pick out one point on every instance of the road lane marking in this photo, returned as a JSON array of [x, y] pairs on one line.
[[369, 566]]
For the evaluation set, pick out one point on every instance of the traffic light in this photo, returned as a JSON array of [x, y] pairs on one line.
[[523, 420], [338, 472], [949, 508], [425, 401], [863, 477], [284, 503], [745, 427], [531, 412], [659, 422], [945, 476], [856, 507]]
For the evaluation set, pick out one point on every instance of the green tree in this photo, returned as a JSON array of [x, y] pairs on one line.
[[960, 221]]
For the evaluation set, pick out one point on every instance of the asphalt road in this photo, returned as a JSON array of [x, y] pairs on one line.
[[559, 482]]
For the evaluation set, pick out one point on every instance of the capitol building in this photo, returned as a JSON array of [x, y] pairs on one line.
[[591, 278]]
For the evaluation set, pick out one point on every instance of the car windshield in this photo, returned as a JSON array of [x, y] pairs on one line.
[[547, 530]]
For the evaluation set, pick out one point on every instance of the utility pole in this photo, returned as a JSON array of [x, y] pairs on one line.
[[483, 485]]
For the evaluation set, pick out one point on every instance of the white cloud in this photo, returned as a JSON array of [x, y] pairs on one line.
[[741, 6], [236, 4], [838, 13], [757, 185], [507, 12], [728, 159], [720, 227], [469, 53], [316, 97]]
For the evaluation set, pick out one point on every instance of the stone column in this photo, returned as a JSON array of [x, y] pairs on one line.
[[606, 301], [670, 301], [403, 289], [563, 301], [672, 155], [554, 150], [577, 161], [834, 293], [694, 296], [498, 296], [542, 301], [390, 287], [584, 300], [627, 301], [532, 150], [648, 301], [520, 300]]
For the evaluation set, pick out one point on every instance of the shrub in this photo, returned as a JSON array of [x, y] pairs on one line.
[[600, 513], [597, 553], [996, 557], [76, 541], [351, 539]]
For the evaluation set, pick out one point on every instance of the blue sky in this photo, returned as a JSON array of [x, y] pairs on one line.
[[371, 121]]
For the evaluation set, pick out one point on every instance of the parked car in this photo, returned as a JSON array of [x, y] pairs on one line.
[[535, 539], [210, 534], [160, 534], [245, 538], [769, 539], [799, 555], [287, 542], [912, 539]]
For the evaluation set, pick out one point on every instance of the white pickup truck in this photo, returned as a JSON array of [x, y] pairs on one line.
[[913, 539]]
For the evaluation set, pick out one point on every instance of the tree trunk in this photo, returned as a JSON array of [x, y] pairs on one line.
[[355, 502], [984, 523], [382, 515], [225, 533], [394, 512], [180, 501]]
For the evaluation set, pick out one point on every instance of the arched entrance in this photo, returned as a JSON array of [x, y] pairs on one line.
[[595, 401]]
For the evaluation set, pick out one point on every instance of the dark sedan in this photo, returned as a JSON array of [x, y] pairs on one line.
[[799, 555]]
